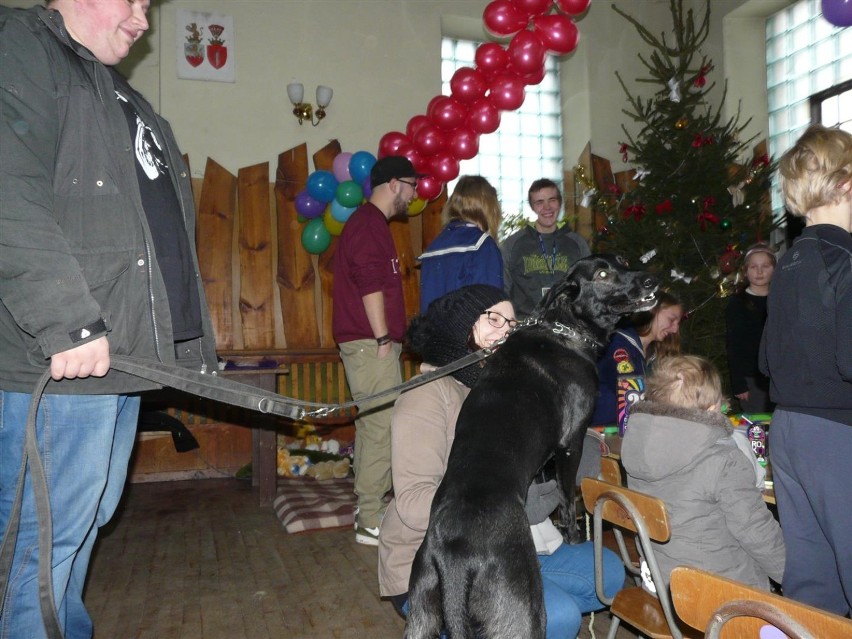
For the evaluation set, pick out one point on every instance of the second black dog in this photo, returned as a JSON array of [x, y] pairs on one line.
[[476, 573]]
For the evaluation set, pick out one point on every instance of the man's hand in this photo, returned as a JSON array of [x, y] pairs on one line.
[[383, 350], [91, 358]]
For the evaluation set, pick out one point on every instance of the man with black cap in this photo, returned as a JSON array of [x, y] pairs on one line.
[[368, 324]]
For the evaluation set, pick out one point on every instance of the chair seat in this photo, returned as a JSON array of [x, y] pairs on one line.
[[643, 611]]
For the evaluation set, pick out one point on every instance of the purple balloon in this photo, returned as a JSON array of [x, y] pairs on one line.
[[340, 167], [838, 12], [367, 188], [307, 206]]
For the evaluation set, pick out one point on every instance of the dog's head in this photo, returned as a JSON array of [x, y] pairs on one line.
[[596, 293]]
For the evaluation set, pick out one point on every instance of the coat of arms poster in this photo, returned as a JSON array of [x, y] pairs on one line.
[[205, 46]]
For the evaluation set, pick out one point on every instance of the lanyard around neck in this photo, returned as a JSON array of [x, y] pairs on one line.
[[551, 266]]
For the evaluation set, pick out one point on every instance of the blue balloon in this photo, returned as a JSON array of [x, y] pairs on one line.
[[322, 185], [307, 206], [341, 213], [360, 165]]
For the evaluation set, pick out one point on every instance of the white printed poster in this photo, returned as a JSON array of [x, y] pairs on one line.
[[205, 46]]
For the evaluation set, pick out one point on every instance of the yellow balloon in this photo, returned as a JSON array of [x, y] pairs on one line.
[[334, 227], [417, 205]]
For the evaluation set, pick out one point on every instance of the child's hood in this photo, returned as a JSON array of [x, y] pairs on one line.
[[663, 439]]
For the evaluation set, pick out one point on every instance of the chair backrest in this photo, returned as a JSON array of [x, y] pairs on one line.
[[611, 471], [637, 512], [726, 608]]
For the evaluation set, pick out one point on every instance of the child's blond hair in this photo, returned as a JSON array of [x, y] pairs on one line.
[[813, 169], [688, 381]]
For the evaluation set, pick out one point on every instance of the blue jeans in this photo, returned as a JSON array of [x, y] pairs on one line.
[[568, 577], [85, 443]]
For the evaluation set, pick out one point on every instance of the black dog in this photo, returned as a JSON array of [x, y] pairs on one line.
[[476, 573]]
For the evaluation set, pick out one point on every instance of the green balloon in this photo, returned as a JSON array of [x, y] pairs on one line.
[[315, 237], [349, 193]]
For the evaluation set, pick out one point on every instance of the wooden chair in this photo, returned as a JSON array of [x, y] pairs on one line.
[[611, 471], [726, 608], [646, 516]]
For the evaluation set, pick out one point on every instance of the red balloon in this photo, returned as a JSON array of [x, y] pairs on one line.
[[484, 117], [429, 187], [391, 143], [501, 18], [464, 143], [430, 139], [530, 79], [532, 7], [432, 102], [557, 33], [468, 85], [415, 124], [526, 52], [491, 58], [507, 92], [416, 158], [445, 167], [447, 113], [573, 7]]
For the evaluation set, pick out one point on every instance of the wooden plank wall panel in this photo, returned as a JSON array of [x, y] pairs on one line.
[[214, 237], [324, 161], [410, 281], [255, 257], [296, 277]]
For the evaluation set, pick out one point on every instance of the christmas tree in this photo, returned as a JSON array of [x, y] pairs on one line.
[[694, 208]]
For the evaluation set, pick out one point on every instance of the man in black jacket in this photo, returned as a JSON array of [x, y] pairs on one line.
[[96, 257]]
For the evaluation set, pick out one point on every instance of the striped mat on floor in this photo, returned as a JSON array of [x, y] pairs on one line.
[[303, 503]]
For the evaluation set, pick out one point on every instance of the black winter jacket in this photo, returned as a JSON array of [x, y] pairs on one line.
[[75, 246]]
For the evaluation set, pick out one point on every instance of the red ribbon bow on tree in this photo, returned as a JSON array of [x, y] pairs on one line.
[[636, 211], [623, 150], [664, 207], [706, 214], [701, 79], [761, 160]]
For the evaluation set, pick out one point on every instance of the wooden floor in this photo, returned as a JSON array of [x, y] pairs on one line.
[[200, 560]]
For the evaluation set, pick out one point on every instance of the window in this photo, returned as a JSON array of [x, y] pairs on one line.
[[806, 56], [528, 144]]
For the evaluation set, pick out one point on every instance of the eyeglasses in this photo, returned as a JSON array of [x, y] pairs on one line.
[[497, 320], [413, 185]]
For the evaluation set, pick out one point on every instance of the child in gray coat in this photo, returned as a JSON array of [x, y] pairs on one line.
[[679, 448]]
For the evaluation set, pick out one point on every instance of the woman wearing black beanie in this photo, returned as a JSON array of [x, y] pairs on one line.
[[422, 432]]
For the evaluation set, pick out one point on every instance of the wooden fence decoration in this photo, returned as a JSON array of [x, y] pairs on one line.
[[265, 291]]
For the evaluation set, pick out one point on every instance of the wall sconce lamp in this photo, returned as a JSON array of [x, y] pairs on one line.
[[304, 110]]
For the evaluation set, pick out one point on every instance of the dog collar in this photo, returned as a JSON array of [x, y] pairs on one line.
[[557, 328]]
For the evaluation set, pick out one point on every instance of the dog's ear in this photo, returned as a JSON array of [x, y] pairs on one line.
[[568, 288]]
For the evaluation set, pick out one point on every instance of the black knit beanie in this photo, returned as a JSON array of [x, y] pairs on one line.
[[441, 334]]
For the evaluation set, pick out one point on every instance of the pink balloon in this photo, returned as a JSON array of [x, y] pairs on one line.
[[532, 7], [429, 187], [415, 124], [573, 7], [464, 143], [447, 113], [340, 167], [468, 85], [483, 117], [390, 143], [526, 52], [445, 167], [491, 58], [430, 139], [507, 92], [501, 18], [557, 33]]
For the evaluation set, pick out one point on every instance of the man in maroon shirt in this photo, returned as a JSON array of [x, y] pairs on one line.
[[368, 323]]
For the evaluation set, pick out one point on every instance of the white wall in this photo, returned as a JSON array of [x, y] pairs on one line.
[[382, 57]]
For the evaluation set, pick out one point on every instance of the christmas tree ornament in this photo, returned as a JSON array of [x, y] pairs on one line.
[[728, 261], [737, 194], [725, 224], [674, 90], [647, 257], [681, 123]]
